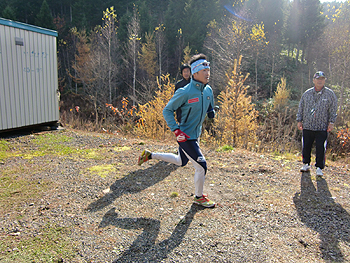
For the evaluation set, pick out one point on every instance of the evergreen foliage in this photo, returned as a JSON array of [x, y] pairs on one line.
[[9, 13], [44, 18]]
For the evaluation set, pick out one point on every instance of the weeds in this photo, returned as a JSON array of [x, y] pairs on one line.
[[4, 147], [174, 194], [48, 246], [16, 190], [124, 117], [102, 170], [341, 144], [225, 148]]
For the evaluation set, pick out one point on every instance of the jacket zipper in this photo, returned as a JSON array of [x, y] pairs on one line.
[[188, 114], [201, 112]]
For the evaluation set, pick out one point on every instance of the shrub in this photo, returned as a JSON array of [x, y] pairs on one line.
[[341, 144], [281, 97], [151, 122], [125, 116]]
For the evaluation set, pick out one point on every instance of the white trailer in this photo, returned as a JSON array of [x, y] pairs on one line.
[[28, 76]]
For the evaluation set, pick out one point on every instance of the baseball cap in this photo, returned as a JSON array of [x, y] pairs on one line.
[[319, 74]]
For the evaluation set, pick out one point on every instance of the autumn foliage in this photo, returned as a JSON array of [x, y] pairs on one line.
[[235, 123], [151, 122]]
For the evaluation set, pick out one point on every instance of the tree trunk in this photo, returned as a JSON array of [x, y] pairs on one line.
[[297, 56], [256, 77], [341, 99], [272, 72], [109, 71], [134, 75]]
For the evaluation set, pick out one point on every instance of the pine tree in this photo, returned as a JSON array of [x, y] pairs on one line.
[[236, 122], [9, 13], [44, 18], [148, 56]]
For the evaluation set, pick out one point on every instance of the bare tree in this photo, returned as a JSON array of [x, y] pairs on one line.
[[258, 41], [94, 65], [337, 41], [132, 49], [225, 44], [160, 43], [108, 43]]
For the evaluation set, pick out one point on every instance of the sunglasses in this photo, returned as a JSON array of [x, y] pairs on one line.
[[319, 75], [205, 64]]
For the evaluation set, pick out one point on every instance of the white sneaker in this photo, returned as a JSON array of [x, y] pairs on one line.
[[319, 171], [306, 167]]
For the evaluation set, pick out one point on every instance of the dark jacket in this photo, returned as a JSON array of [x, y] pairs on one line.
[[181, 83]]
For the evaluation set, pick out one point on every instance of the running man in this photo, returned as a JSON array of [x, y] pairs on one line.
[[196, 100]]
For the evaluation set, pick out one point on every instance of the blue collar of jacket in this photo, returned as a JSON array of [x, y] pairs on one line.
[[199, 85]]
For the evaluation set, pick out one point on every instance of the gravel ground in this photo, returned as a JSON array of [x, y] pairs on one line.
[[267, 211]]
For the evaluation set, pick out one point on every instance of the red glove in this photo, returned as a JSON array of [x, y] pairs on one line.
[[180, 135]]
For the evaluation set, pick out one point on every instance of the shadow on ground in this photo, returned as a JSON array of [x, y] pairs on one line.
[[144, 248], [134, 182], [318, 210]]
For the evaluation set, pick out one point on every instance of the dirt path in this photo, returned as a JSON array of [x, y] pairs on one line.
[[71, 196]]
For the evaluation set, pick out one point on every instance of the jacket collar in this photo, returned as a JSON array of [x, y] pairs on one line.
[[319, 91], [199, 85]]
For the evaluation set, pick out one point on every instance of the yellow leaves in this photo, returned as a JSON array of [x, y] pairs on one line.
[[236, 123], [160, 27], [282, 94], [212, 24], [187, 54], [152, 124], [109, 15], [135, 37], [148, 55], [258, 33]]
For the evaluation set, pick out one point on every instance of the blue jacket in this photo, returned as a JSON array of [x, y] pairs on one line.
[[195, 100]]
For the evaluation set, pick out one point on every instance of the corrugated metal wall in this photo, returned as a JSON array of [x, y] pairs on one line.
[[28, 75]]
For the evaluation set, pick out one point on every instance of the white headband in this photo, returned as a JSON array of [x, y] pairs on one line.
[[199, 65]]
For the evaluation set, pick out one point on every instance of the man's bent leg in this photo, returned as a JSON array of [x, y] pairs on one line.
[[170, 158], [192, 151]]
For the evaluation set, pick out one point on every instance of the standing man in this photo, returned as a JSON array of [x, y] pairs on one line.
[[186, 78], [316, 116], [195, 100]]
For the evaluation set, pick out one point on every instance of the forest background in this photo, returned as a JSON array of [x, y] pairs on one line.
[[119, 60]]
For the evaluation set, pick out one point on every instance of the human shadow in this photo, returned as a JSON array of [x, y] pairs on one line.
[[144, 248], [134, 182], [318, 210]]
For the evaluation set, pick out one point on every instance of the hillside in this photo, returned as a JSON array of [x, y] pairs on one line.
[[72, 196]]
